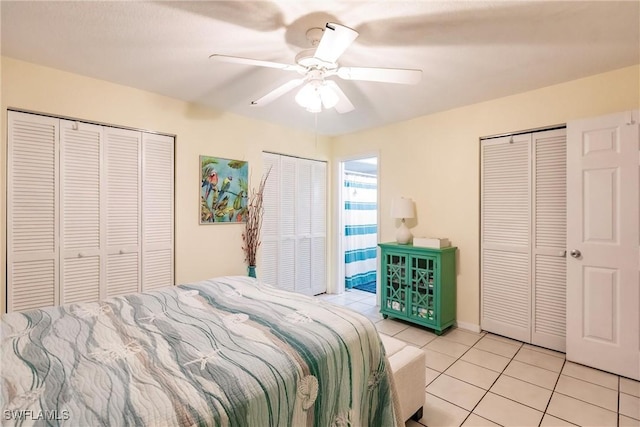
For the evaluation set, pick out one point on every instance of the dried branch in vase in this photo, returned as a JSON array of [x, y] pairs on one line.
[[253, 226]]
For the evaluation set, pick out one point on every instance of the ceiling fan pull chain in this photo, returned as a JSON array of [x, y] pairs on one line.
[[316, 129]]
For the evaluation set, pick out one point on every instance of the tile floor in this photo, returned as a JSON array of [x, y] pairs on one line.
[[480, 379]]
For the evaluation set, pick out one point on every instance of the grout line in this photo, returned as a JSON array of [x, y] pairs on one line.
[[539, 349], [588, 403], [546, 408], [480, 400], [492, 384], [548, 370]]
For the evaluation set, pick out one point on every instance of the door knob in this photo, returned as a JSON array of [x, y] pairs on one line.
[[575, 253]]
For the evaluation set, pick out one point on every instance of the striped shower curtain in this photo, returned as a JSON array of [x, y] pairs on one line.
[[360, 233]]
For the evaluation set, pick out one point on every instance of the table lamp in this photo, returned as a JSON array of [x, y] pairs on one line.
[[402, 208]]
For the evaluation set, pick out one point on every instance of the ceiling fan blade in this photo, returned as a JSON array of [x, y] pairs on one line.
[[343, 105], [256, 62], [335, 40], [385, 75], [277, 92]]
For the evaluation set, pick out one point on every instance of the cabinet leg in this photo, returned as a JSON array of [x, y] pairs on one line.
[[385, 316]]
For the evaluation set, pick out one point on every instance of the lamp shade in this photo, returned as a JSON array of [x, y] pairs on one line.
[[402, 208], [315, 95]]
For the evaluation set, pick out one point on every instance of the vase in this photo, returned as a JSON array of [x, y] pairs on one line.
[[251, 270]]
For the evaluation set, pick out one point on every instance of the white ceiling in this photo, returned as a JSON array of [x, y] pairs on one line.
[[469, 51]]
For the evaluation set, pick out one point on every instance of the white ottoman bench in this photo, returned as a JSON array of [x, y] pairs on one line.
[[408, 367]]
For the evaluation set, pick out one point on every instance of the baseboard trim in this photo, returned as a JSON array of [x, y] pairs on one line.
[[469, 326]]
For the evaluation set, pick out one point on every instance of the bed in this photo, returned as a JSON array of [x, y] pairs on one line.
[[227, 351]]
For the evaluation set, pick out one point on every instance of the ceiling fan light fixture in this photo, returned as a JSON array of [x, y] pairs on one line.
[[314, 96], [309, 99]]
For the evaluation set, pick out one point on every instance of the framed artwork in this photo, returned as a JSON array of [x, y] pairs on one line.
[[223, 190]]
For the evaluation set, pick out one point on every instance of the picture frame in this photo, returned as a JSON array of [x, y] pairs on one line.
[[224, 187]]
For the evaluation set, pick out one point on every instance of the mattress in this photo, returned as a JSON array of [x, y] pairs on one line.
[[229, 351]]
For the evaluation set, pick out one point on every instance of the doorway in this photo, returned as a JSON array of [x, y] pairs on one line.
[[359, 223]]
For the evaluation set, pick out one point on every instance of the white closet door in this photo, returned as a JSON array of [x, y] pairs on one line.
[[81, 177], [548, 249], [505, 280], [157, 211], [319, 228], [303, 226], [293, 250], [287, 217], [32, 211], [122, 153], [270, 221]]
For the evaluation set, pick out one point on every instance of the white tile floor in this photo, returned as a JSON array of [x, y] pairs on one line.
[[488, 380]]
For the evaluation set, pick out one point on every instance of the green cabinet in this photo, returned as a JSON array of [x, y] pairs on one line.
[[419, 285]]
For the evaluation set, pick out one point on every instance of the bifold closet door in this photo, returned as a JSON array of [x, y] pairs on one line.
[[123, 213], [523, 265], [318, 228], [270, 246], [157, 211], [82, 202], [293, 251], [89, 211], [505, 227], [548, 252], [32, 211], [287, 217], [311, 277], [304, 208]]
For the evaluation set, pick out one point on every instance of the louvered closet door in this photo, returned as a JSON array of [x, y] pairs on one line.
[[32, 211], [505, 226], [157, 211], [287, 253], [303, 226], [293, 250], [81, 177], [318, 228], [122, 153], [270, 221], [550, 230]]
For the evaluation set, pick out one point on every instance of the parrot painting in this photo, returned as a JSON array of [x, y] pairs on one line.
[[223, 200]]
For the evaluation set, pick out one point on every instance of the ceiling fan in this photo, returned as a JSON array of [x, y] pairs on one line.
[[315, 65]]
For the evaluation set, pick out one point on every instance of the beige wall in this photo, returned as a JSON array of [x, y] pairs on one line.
[[435, 160], [202, 251]]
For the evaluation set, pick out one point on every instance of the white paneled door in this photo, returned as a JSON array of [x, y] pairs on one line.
[[603, 283]]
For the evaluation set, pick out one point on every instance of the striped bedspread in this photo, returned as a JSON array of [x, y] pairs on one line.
[[227, 351]]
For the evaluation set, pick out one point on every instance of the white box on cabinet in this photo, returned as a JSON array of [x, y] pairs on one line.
[[431, 242]]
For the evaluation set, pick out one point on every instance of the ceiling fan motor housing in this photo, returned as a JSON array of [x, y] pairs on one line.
[[307, 60]]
